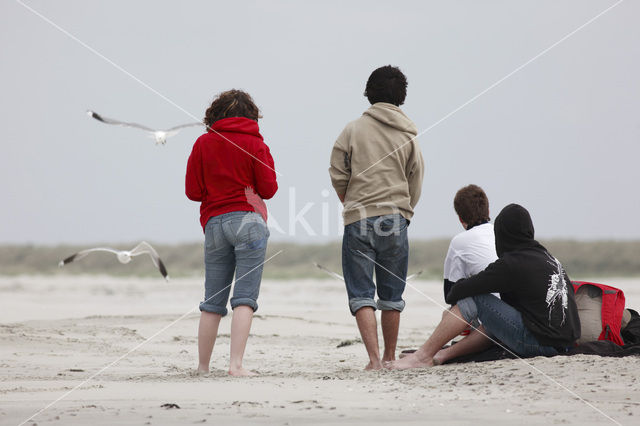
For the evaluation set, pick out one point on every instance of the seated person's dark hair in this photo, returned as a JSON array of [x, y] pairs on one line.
[[472, 205], [232, 103], [386, 84]]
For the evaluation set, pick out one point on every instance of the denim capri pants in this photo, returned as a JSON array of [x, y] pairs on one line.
[[234, 242]]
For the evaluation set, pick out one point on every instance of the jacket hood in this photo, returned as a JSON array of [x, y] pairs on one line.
[[236, 125], [513, 229], [391, 115]]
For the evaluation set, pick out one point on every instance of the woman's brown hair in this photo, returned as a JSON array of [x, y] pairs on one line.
[[232, 103]]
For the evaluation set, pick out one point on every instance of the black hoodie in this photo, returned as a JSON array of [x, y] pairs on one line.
[[529, 279]]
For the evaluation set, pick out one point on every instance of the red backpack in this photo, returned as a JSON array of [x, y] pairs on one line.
[[612, 309]]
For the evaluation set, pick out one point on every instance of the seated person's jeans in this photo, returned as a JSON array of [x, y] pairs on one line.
[[504, 323], [233, 242], [379, 243]]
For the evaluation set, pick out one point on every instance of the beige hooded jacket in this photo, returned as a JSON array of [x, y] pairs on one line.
[[377, 165]]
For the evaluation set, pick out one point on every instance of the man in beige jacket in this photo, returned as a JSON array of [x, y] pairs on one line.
[[377, 170]]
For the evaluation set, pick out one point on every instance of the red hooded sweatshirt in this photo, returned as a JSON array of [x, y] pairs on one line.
[[230, 169]]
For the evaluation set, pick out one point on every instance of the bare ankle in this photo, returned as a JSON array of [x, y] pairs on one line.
[[422, 356], [373, 366], [389, 355]]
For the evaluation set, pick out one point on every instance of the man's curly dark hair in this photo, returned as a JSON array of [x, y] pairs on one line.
[[232, 103], [386, 84]]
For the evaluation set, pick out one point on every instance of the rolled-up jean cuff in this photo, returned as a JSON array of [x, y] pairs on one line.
[[244, 301], [386, 305], [358, 303], [469, 311], [214, 309]]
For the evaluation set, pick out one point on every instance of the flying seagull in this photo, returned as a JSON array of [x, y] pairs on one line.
[[328, 271], [159, 135], [123, 256], [412, 276], [340, 277]]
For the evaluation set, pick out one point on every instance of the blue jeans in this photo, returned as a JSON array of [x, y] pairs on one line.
[[382, 239], [233, 242], [504, 323]]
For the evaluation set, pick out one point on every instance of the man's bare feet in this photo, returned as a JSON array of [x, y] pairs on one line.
[[374, 366], [241, 372], [409, 361]]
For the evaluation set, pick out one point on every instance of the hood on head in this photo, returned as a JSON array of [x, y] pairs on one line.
[[391, 115], [236, 125], [513, 229]]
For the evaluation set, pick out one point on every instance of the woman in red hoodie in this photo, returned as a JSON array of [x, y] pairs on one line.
[[230, 171]]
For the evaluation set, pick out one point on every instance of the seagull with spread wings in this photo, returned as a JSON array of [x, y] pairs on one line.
[[159, 135], [340, 277], [124, 256]]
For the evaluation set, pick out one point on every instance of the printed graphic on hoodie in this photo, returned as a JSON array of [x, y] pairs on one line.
[[557, 290]]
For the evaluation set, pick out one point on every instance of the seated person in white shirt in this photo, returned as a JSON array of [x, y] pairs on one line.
[[473, 249], [469, 251]]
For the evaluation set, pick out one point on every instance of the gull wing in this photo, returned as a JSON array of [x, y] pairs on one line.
[[83, 253], [412, 276], [328, 271], [173, 130], [145, 248], [340, 277], [118, 122]]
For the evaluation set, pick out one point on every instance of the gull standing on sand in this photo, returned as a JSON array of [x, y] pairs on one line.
[[123, 256], [159, 135]]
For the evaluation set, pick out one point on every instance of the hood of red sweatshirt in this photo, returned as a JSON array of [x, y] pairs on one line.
[[236, 125]]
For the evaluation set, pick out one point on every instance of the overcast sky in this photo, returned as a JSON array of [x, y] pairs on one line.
[[561, 136]]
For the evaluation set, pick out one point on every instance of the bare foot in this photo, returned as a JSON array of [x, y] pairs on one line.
[[409, 361], [438, 358], [241, 372], [201, 371], [374, 366]]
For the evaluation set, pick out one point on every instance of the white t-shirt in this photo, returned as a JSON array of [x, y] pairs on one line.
[[470, 252]]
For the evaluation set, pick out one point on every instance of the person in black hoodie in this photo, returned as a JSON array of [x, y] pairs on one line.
[[536, 315]]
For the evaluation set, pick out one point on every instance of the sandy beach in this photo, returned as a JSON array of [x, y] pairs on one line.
[[140, 336]]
